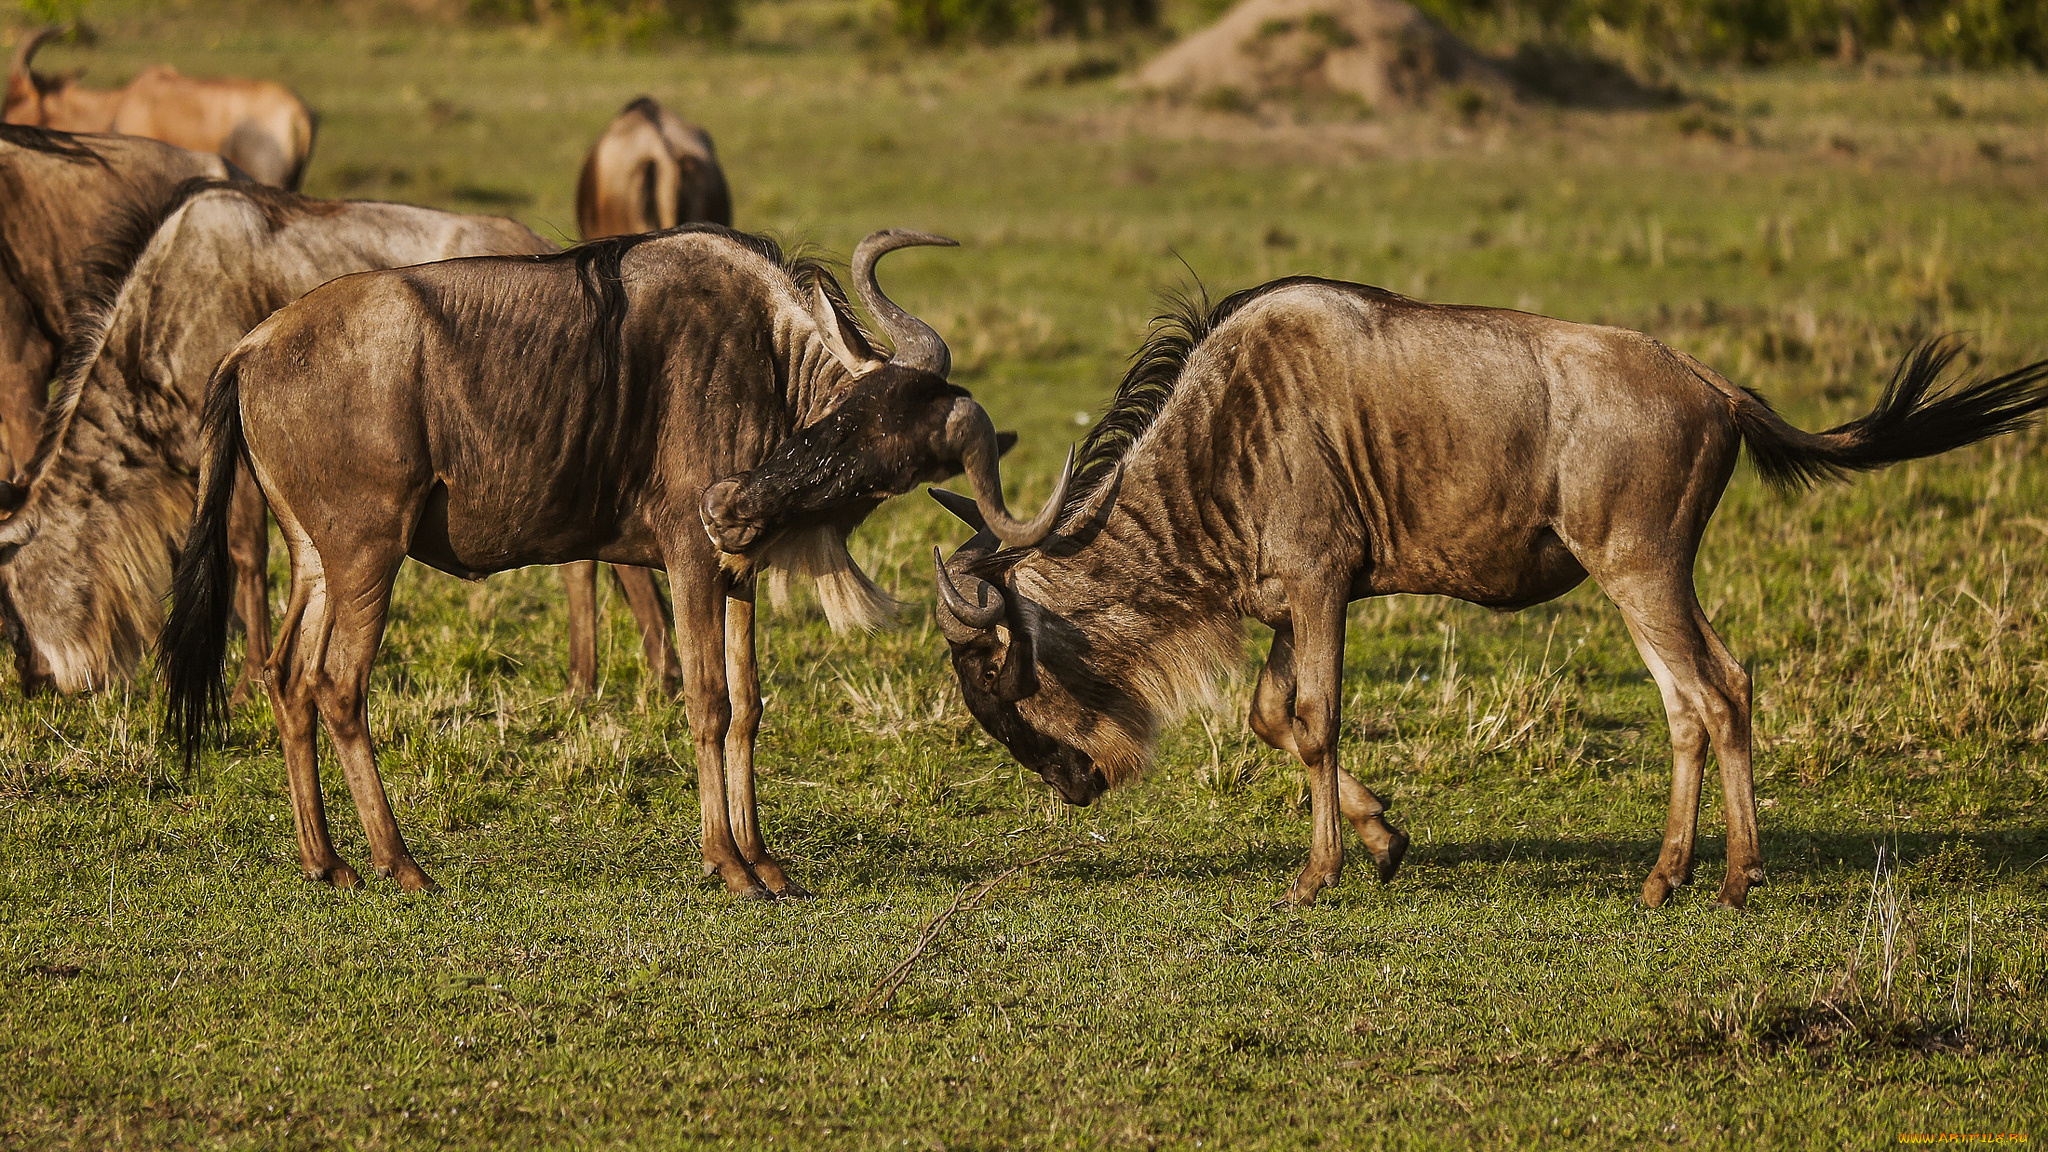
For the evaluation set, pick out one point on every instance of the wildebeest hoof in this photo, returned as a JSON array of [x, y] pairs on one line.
[[1302, 894], [1389, 861], [410, 877], [339, 875], [1655, 890], [772, 877], [739, 881]]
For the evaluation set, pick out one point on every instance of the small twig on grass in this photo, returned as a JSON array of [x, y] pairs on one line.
[[878, 997]]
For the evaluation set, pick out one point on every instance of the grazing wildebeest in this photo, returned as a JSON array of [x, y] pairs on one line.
[[61, 200], [86, 558], [1309, 443], [258, 126], [650, 169], [485, 414]]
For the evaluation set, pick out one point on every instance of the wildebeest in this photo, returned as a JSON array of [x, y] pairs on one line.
[[650, 169], [258, 126], [1309, 443], [86, 558], [62, 199], [484, 414]]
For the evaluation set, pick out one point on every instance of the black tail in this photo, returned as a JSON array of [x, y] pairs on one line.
[[194, 642], [1912, 419]]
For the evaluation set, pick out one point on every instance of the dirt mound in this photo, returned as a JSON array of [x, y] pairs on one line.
[[1384, 53]]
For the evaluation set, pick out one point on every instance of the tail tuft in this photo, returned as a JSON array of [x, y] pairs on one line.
[[1913, 418], [193, 645]]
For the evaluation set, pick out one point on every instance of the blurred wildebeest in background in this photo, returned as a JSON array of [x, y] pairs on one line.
[[1309, 443], [62, 200], [258, 126], [86, 558], [481, 415], [650, 169]]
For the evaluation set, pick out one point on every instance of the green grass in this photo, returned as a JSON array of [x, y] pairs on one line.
[[167, 979]]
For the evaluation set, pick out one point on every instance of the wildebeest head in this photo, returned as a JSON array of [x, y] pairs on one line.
[[1027, 673], [900, 425]]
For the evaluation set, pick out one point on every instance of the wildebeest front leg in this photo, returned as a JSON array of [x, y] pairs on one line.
[[1272, 717], [1707, 700], [249, 545], [743, 681], [1318, 616], [580, 581], [650, 611], [700, 642]]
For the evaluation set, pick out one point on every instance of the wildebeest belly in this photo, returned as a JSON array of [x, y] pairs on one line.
[[471, 539], [1506, 571]]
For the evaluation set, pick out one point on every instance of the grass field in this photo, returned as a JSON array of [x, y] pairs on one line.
[[167, 979]]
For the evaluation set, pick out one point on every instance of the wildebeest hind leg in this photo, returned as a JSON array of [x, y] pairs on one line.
[[650, 611], [358, 585], [249, 545], [580, 580], [1707, 700], [287, 676], [743, 688], [700, 642], [1272, 717]]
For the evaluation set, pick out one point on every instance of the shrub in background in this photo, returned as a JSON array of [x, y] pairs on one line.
[[631, 21], [1975, 33], [939, 21]]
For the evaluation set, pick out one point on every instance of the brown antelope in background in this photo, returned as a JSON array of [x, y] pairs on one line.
[[260, 127], [1309, 443], [649, 170]]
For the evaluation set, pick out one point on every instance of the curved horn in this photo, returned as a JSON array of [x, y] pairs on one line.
[[27, 51], [917, 346], [962, 619], [971, 433]]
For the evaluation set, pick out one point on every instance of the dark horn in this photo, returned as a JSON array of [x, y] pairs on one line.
[[973, 435], [959, 618], [917, 346]]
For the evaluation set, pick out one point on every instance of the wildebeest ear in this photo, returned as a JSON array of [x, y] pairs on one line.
[[1004, 442], [1018, 678], [841, 335], [962, 506]]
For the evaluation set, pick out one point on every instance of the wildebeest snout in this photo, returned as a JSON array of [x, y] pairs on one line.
[[726, 519]]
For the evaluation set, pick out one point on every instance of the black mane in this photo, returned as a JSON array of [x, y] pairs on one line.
[[50, 142], [597, 268]]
